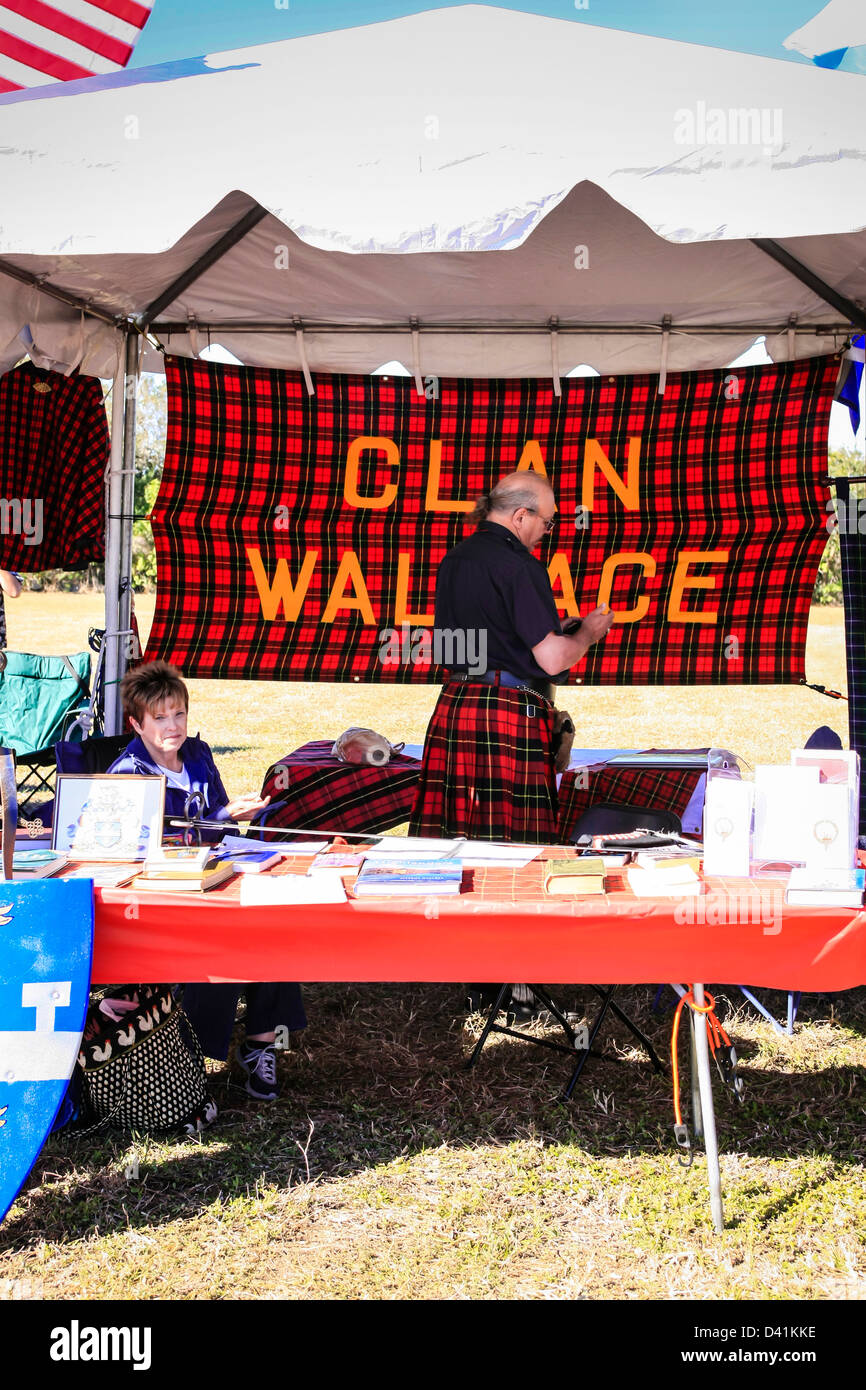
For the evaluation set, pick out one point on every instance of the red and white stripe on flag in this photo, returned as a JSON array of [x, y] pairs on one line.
[[65, 40]]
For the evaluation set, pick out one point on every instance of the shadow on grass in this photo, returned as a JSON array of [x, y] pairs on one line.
[[380, 1075]]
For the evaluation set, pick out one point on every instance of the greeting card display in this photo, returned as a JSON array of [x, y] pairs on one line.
[[784, 800], [834, 811], [727, 827]]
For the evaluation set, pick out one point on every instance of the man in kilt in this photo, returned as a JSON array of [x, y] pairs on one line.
[[488, 767]]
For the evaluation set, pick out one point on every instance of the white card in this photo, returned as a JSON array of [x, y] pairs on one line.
[[727, 827], [275, 890], [833, 816], [783, 821]]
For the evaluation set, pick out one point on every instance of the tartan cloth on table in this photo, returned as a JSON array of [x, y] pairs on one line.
[[293, 531], [54, 449], [667, 788], [327, 794], [487, 771], [852, 546], [324, 793]]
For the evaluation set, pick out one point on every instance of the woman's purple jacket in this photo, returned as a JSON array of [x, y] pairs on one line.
[[198, 760]]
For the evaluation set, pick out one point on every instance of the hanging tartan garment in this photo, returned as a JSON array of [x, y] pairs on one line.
[[54, 450]]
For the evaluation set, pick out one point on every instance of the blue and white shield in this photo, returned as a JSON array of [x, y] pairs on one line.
[[46, 945]]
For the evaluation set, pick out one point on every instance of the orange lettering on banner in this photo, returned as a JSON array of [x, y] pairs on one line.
[[682, 580], [611, 565], [282, 591], [559, 574], [433, 502], [531, 459], [349, 570], [628, 492], [401, 605], [353, 464]]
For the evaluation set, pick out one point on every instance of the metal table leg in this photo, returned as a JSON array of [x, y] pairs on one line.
[[711, 1146], [697, 1117]]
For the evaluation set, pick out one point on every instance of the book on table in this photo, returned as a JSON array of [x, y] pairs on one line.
[[408, 877], [825, 888], [575, 877], [667, 856], [153, 882], [254, 860], [30, 864], [178, 861]]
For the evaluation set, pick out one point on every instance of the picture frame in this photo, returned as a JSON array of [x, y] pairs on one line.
[[104, 817]]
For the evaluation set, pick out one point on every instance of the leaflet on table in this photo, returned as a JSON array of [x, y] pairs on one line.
[[103, 875], [482, 854], [244, 845], [472, 854], [412, 847], [277, 890]]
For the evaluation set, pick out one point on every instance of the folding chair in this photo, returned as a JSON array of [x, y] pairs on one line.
[[607, 818], [41, 698]]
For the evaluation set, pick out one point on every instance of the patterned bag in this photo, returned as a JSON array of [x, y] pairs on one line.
[[146, 1071]]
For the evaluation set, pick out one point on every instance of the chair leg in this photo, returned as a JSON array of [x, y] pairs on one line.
[[606, 996], [488, 1026], [633, 1028]]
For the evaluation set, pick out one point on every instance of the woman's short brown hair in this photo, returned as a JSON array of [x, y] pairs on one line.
[[146, 687]]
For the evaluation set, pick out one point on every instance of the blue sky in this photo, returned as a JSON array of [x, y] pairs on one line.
[[186, 28]]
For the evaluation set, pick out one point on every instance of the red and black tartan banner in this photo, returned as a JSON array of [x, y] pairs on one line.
[[53, 453], [298, 537]]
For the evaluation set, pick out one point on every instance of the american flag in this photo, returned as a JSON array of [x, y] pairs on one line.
[[66, 40]]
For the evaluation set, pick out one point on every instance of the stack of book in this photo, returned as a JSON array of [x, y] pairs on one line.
[[29, 864], [577, 877], [182, 870], [826, 888]]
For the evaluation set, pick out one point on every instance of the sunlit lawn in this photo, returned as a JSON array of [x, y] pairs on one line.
[[386, 1170]]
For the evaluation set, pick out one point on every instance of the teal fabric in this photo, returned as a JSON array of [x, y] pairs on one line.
[[37, 694]]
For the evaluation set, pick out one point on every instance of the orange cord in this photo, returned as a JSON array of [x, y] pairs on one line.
[[715, 1033]]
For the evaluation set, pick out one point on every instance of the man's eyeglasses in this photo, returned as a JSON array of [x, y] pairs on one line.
[[549, 522]]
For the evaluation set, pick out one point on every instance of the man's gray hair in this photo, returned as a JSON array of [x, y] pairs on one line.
[[507, 497]]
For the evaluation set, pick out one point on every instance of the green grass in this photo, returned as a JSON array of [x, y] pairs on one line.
[[387, 1171]]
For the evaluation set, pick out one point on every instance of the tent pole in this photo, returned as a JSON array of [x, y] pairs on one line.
[[118, 549]]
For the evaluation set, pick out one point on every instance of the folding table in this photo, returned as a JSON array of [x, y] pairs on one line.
[[500, 927]]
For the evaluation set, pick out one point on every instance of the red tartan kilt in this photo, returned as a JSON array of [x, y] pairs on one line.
[[488, 769]]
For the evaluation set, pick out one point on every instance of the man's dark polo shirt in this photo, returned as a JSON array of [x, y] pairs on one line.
[[491, 582]]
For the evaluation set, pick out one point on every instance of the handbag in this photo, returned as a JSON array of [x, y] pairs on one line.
[[563, 739], [145, 1070]]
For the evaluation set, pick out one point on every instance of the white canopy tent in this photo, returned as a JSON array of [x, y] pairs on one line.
[[475, 191]]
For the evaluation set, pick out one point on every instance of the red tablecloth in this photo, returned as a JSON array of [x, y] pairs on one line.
[[500, 927], [324, 793]]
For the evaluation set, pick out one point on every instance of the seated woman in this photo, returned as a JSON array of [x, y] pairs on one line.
[[156, 700]]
